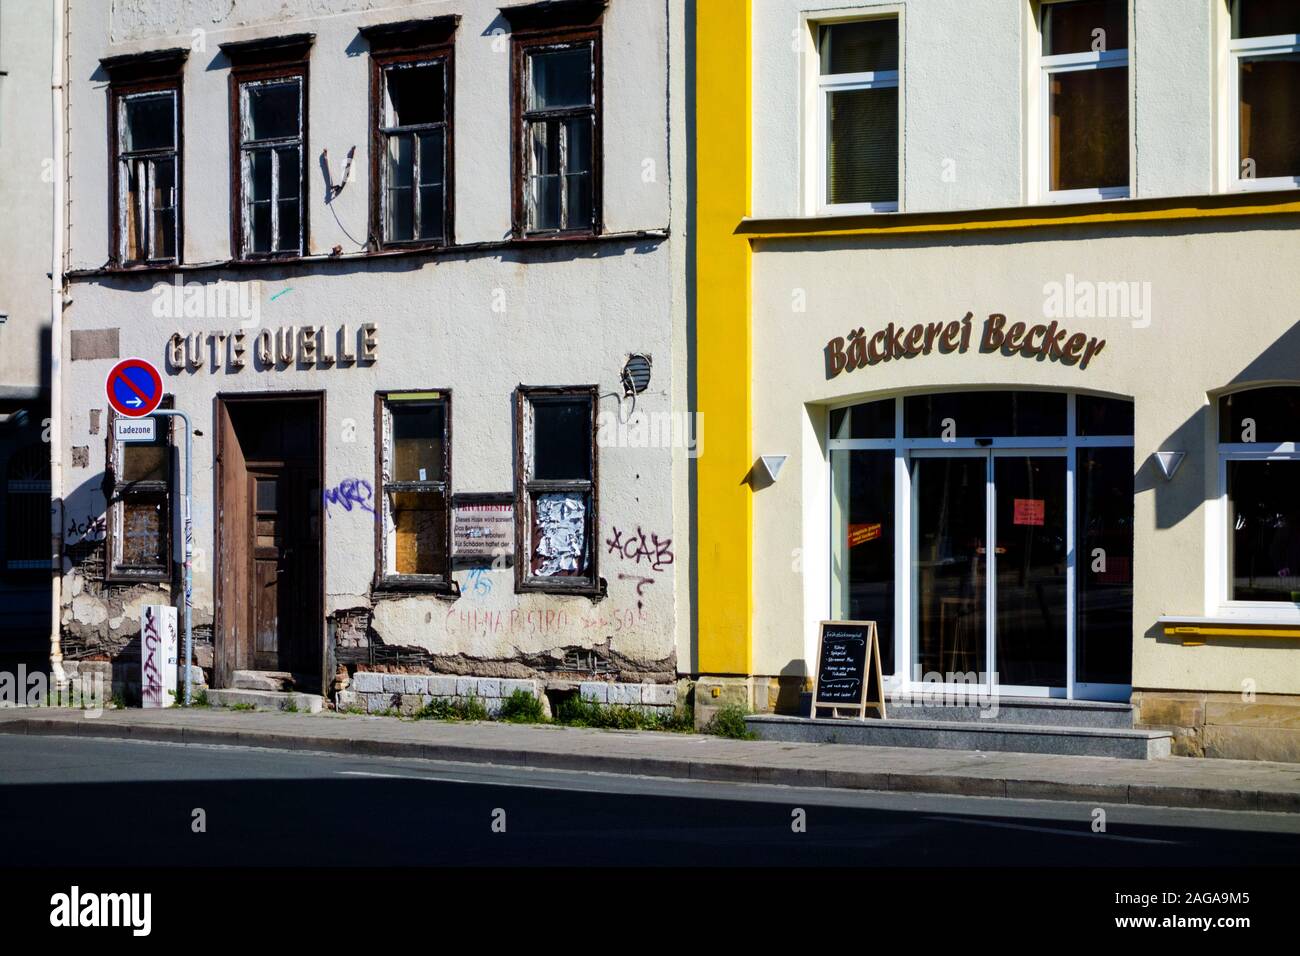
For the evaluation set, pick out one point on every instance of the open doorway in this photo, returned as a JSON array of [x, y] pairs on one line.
[[269, 540]]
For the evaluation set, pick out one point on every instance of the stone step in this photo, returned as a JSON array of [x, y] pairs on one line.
[[1036, 711], [967, 735], [266, 700], [262, 680]]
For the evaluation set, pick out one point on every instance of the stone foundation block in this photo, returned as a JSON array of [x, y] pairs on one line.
[[595, 691], [365, 683], [659, 695]]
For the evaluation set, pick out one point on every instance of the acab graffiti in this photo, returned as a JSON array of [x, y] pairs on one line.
[[655, 552]]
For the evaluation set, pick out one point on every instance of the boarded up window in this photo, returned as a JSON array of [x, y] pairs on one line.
[[140, 505], [555, 428], [415, 473]]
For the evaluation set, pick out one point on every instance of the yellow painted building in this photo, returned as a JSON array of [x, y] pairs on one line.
[[1006, 289]]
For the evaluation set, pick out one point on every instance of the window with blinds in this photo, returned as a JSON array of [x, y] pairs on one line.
[[858, 86]]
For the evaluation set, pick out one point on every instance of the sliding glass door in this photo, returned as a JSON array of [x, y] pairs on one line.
[[990, 535]]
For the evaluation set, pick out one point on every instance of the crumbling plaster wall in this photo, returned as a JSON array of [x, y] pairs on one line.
[[477, 323]]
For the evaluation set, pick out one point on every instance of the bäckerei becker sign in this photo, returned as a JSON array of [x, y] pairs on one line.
[[1047, 341]]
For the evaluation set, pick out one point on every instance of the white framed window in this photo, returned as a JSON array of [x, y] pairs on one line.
[[1084, 100], [1264, 95], [1257, 569], [857, 154]]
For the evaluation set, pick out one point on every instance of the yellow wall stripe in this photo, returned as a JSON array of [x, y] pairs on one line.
[[724, 515]]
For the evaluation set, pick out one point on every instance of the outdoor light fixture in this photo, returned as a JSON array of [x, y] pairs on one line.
[[1169, 462], [636, 374], [772, 464]]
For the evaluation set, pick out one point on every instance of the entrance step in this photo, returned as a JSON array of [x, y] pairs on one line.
[[1035, 711], [263, 680], [967, 735], [265, 700]]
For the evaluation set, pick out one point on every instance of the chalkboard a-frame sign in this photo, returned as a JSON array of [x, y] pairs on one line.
[[847, 675]]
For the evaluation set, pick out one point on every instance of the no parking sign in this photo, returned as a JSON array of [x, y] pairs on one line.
[[134, 388]]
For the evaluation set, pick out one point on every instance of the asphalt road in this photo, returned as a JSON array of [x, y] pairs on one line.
[[78, 802]]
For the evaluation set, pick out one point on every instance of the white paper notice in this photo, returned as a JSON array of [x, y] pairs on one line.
[[561, 523]]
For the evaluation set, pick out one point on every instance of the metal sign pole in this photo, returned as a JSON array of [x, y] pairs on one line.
[[189, 543]]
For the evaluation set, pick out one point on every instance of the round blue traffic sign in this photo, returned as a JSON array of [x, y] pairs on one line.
[[134, 388]]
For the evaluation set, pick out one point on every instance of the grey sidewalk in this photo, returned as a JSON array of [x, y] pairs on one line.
[[1174, 781]]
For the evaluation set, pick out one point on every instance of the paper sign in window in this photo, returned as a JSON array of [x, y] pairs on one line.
[[1029, 511], [862, 533]]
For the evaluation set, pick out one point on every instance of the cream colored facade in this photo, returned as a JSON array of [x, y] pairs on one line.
[[1190, 269]]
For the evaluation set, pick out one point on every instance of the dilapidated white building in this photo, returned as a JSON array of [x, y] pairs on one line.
[[413, 272]]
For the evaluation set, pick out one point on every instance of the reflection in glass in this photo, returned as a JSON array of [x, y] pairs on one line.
[[1104, 566], [862, 544], [949, 564], [1030, 561]]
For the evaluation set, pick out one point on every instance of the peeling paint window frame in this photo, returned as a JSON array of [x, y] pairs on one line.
[[249, 148], [527, 488], [383, 64], [119, 493], [524, 46], [147, 162], [386, 577]]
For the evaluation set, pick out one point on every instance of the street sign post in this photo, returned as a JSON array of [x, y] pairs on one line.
[[134, 388]]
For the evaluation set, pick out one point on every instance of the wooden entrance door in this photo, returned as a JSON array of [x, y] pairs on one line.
[[269, 601]]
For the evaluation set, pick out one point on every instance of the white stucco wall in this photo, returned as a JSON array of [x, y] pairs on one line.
[[968, 100], [1222, 316], [478, 323]]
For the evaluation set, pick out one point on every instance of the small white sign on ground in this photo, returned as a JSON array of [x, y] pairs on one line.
[[158, 653]]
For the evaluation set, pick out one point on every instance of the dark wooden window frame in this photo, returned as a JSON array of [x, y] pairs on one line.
[[556, 25], [129, 75], [252, 61], [116, 493], [412, 41], [591, 584], [432, 583]]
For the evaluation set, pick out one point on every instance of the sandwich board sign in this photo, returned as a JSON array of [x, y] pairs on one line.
[[134, 388], [847, 669]]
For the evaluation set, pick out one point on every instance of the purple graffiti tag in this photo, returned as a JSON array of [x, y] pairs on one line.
[[349, 492]]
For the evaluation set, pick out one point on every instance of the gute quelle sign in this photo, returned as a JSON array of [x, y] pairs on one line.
[[1048, 341]]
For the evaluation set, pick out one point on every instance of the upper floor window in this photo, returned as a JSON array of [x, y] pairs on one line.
[[858, 92], [557, 132], [269, 89], [145, 166], [1085, 99], [1264, 78], [148, 189], [412, 80]]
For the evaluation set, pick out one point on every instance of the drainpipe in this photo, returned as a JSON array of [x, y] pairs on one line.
[[56, 349]]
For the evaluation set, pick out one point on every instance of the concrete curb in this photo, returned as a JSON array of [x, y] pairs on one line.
[[1144, 794]]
